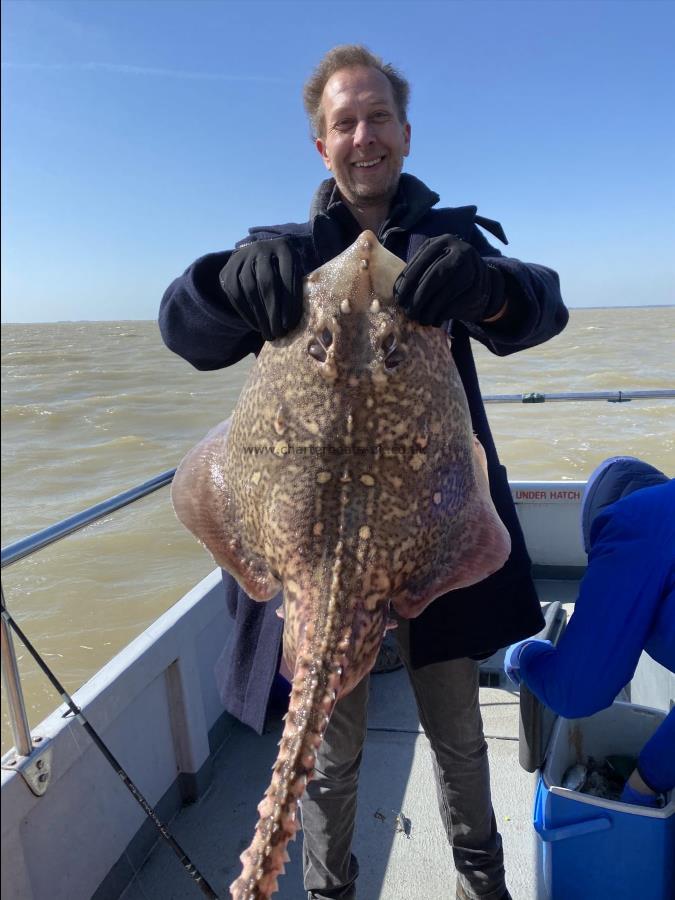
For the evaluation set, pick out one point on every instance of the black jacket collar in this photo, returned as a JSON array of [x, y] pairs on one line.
[[412, 201]]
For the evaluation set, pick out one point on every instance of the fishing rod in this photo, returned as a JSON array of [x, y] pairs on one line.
[[187, 864]]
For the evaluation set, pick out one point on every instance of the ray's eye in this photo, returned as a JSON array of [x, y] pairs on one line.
[[394, 359], [389, 343], [326, 338], [393, 356], [318, 347], [316, 350]]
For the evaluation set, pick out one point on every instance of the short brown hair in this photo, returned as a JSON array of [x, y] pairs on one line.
[[348, 56]]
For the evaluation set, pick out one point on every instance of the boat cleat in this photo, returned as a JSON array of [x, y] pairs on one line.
[[35, 769]]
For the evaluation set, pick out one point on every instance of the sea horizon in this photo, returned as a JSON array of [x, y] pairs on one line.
[[570, 307]]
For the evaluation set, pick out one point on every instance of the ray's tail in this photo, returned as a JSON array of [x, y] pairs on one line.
[[316, 683]]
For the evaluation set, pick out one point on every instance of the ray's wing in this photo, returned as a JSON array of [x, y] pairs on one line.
[[471, 553], [203, 499]]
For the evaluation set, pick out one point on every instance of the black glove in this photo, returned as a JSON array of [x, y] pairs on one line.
[[448, 279], [263, 282]]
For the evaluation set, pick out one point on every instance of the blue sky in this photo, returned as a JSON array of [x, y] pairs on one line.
[[140, 135]]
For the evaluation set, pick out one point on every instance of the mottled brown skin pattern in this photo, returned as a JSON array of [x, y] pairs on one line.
[[349, 475]]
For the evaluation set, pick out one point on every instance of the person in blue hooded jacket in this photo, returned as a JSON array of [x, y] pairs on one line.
[[626, 604]]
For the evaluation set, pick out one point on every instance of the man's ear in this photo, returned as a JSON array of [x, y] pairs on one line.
[[406, 130], [321, 147]]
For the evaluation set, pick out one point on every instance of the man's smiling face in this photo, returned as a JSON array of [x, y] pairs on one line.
[[363, 141]]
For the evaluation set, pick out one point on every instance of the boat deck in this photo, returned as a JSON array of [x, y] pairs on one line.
[[399, 839]]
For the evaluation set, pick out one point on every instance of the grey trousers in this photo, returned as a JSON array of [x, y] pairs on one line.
[[447, 702]]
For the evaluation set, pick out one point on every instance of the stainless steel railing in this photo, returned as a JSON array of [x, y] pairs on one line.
[[40, 539], [12, 681], [31, 544], [610, 396]]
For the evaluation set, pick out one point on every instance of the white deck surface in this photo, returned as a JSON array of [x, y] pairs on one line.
[[395, 779]]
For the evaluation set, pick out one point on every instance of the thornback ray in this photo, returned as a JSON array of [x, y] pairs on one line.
[[349, 477]]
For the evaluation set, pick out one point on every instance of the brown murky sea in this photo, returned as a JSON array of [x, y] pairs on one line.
[[93, 408]]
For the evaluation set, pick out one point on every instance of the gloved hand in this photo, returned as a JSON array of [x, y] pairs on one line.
[[630, 795], [263, 282], [512, 658], [448, 279]]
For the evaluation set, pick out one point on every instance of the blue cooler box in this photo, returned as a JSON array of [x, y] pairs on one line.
[[588, 848]]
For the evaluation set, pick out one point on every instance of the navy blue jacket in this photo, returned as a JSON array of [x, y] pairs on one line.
[[197, 323], [626, 604]]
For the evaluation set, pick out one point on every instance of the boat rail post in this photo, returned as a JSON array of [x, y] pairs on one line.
[[12, 682], [32, 758]]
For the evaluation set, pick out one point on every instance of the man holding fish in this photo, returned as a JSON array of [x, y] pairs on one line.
[[228, 304]]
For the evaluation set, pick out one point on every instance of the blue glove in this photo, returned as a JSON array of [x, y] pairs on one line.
[[630, 795], [512, 658]]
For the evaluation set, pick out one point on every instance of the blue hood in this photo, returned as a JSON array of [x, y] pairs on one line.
[[613, 479]]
